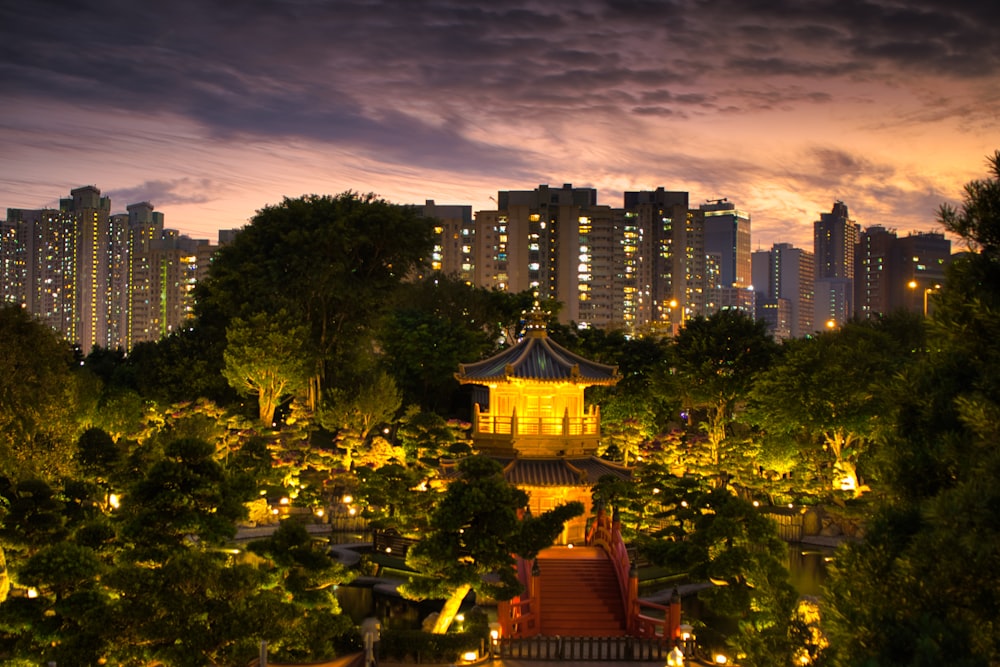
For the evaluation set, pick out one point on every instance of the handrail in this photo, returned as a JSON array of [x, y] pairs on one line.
[[486, 423], [606, 534]]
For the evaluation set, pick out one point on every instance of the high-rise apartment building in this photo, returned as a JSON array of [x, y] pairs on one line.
[[664, 260], [727, 256], [455, 238], [897, 273], [648, 266], [100, 279], [783, 279], [557, 243], [834, 236]]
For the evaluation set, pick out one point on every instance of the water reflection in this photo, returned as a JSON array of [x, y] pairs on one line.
[[807, 567], [396, 613]]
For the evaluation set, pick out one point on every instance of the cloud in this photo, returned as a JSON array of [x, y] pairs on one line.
[[166, 193]]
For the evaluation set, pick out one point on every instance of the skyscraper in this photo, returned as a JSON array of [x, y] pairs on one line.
[[898, 273], [97, 278], [557, 243], [727, 256], [834, 238], [664, 260], [783, 281], [455, 233]]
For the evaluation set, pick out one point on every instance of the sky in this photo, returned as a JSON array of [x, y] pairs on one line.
[[213, 109]]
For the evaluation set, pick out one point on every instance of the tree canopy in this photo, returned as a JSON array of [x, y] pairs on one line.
[[923, 587], [329, 262]]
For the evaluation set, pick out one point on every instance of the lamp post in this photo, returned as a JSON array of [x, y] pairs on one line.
[[927, 290]]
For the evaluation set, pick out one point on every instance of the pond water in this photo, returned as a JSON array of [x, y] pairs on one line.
[[807, 568], [359, 601]]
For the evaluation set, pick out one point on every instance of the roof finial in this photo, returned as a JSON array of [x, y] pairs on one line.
[[536, 320]]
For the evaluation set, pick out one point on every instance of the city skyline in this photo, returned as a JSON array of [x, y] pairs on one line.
[[211, 112]]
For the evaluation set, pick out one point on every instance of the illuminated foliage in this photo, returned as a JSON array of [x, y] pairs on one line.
[[38, 399], [714, 364], [330, 262], [924, 586], [268, 357], [474, 530], [831, 392]]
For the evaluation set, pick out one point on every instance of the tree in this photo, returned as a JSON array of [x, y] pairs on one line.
[[266, 356], [353, 414], [831, 389], [717, 537], [627, 423], [185, 496], [432, 326], [473, 534], [715, 361], [38, 399], [330, 262], [923, 587]]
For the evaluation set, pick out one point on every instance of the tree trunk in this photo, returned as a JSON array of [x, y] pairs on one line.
[[267, 405], [450, 609]]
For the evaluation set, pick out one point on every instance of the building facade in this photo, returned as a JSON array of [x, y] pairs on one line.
[[835, 236], [100, 279], [783, 280]]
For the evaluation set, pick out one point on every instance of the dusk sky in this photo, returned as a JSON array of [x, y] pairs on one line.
[[213, 109]]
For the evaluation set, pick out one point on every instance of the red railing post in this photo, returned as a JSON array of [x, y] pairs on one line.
[[673, 629], [633, 601]]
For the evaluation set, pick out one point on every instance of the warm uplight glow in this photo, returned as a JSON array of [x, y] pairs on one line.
[[113, 500], [675, 658], [319, 512], [470, 656], [32, 593], [721, 659], [347, 500], [756, 503], [284, 501], [848, 484]]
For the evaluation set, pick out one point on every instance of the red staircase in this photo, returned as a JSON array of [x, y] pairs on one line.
[[588, 591], [579, 594]]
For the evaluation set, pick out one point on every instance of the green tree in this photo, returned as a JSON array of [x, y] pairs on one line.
[[266, 356], [830, 390], [717, 537], [923, 588], [330, 262], [38, 399], [627, 424], [68, 619], [474, 531], [715, 361], [396, 497], [353, 414], [433, 325], [185, 496], [427, 437]]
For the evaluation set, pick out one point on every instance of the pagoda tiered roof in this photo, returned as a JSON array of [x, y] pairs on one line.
[[537, 357], [549, 471]]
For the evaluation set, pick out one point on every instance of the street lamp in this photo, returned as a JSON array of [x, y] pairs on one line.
[[927, 290]]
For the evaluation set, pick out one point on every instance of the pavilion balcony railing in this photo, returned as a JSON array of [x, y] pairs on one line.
[[513, 425]]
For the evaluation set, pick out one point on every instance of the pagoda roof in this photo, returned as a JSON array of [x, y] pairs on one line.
[[550, 471], [537, 357]]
